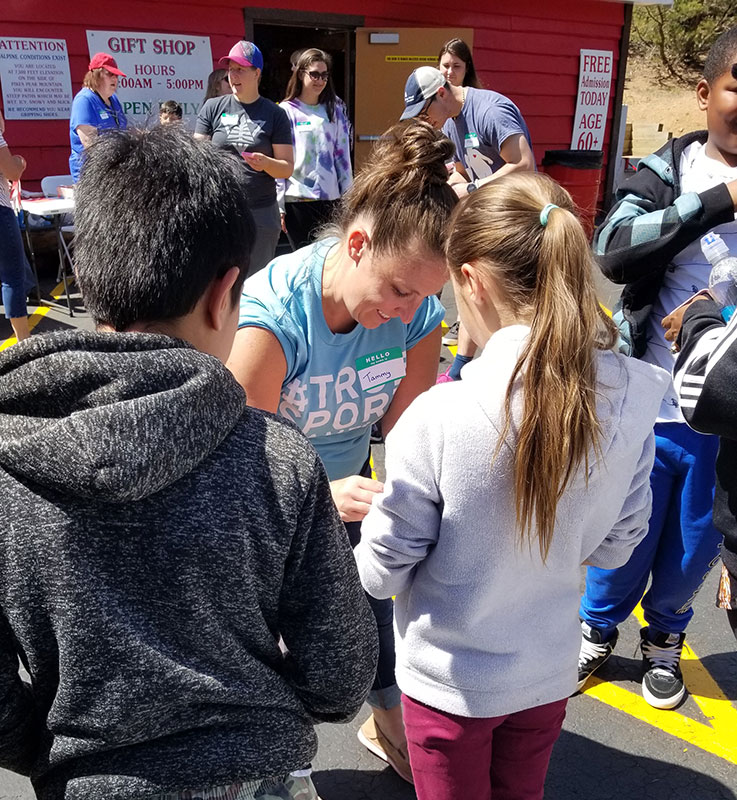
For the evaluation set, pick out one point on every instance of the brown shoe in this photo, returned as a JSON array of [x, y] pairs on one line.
[[372, 737]]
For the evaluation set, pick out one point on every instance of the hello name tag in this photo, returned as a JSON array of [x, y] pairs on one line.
[[384, 366], [229, 119], [472, 140]]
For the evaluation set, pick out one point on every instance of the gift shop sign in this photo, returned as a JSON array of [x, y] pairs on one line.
[[594, 82], [158, 67], [35, 78]]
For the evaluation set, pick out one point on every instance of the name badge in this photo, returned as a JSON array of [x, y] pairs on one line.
[[104, 115], [472, 140], [384, 366], [305, 124], [229, 119]]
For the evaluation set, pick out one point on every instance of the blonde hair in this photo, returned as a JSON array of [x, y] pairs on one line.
[[403, 189], [545, 273]]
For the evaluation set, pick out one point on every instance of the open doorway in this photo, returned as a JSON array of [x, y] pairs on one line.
[[278, 33]]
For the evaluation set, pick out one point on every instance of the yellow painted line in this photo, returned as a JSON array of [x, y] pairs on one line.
[[706, 737], [453, 347], [717, 737], [40, 312]]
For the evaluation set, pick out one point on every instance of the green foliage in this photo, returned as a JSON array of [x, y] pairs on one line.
[[677, 38]]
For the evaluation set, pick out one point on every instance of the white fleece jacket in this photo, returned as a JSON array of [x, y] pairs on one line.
[[484, 628]]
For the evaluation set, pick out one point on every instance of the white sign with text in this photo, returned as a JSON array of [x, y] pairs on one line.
[[592, 101], [35, 78], [158, 67]]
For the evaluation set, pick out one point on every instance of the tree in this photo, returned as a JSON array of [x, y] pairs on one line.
[[678, 38]]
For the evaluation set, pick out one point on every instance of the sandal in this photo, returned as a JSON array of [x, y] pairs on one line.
[[373, 738]]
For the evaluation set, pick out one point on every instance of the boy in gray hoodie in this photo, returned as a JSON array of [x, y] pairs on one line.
[[173, 574]]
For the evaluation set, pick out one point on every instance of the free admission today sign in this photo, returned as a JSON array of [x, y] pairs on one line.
[[592, 101], [158, 67]]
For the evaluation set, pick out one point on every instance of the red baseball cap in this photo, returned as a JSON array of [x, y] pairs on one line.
[[105, 61]]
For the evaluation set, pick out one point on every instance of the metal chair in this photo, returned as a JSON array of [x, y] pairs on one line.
[[50, 187]]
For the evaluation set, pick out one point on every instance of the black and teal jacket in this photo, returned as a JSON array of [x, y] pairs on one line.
[[648, 226]]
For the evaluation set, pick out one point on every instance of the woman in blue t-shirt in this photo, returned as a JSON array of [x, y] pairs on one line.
[[95, 108], [345, 333]]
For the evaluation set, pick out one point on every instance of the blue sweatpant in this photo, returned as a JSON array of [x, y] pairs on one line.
[[681, 544]]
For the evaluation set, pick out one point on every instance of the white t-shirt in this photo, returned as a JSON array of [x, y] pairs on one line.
[[4, 183], [689, 270]]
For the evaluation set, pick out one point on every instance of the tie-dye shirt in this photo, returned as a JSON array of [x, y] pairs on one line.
[[322, 153]]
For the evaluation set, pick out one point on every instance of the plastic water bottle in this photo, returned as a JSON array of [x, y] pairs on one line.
[[723, 275]]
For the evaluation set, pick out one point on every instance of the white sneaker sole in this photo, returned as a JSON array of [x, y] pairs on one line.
[[662, 703]]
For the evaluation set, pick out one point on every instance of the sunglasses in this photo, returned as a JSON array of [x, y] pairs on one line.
[[319, 76], [426, 107]]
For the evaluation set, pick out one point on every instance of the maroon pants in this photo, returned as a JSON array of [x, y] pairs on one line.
[[494, 758]]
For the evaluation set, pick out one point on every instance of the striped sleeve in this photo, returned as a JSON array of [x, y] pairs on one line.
[[638, 235], [706, 370]]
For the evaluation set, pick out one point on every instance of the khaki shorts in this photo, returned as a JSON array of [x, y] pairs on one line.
[[287, 788]]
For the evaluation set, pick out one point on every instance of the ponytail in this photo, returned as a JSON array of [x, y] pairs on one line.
[[544, 272]]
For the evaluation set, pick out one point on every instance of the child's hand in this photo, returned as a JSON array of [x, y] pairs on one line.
[[672, 323], [352, 496]]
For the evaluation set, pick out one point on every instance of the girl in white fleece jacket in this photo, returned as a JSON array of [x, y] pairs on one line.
[[488, 514]]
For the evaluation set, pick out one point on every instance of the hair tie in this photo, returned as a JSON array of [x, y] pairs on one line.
[[544, 213]]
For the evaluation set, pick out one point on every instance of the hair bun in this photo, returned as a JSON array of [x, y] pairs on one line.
[[415, 153]]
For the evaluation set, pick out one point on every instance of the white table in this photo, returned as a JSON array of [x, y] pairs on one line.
[[52, 207]]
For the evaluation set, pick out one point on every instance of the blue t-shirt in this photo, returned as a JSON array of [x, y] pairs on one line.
[[88, 108], [322, 393], [486, 121]]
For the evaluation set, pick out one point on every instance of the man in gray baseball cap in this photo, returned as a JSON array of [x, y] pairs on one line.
[[491, 140], [487, 128]]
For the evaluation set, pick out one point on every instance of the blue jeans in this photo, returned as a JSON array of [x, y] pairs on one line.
[[681, 544], [384, 691], [15, 273]]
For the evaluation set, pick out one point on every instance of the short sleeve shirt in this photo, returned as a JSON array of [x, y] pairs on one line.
[[247, 128], [322, 392], [486, 121], [88, 108]]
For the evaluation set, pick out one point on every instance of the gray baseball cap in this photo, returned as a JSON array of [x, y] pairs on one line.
[[421, 85]]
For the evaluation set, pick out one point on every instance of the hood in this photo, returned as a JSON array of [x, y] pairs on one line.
[[629, 391], [111, 416]]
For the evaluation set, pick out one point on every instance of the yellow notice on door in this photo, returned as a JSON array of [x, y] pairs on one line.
[[420, 59]]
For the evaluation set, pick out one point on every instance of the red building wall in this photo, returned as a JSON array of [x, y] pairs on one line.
[[525, 49]]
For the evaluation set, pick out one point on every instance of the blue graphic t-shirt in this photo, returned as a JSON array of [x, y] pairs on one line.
[[322, 392], [88, 108], [486, 121]]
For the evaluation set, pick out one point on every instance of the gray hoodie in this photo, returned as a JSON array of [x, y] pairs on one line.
[[157, 538]]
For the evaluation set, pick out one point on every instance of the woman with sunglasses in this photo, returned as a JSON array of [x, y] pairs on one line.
[[322, 157], [95, 108], [257, 132]]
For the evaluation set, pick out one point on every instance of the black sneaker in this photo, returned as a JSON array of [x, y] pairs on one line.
[[662, 682], [594, 652]]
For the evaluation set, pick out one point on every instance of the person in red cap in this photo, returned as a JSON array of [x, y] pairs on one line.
[[95, 108], [259, 134]]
